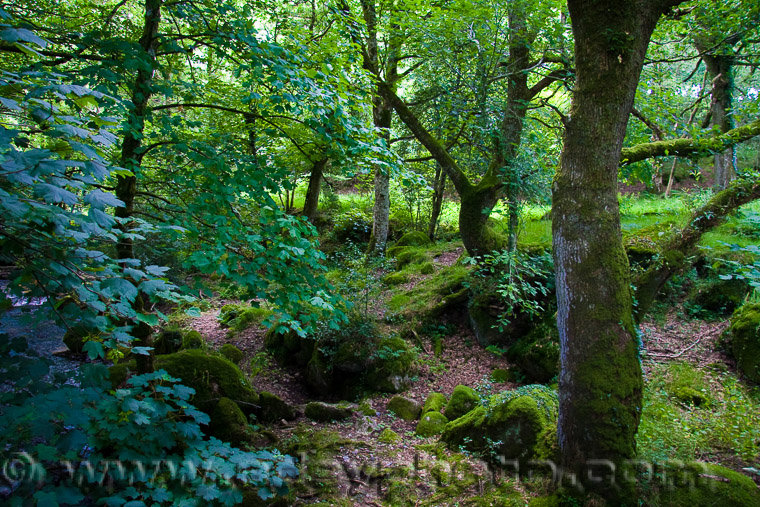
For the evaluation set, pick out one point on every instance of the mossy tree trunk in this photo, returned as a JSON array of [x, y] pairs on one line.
[[720, 71], [680, 245], [131, 156], [439, 187], [600, 384], [311, 204], [382, 117]]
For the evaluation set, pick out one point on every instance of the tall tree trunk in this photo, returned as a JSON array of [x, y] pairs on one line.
[[719, 68], [600, 384], [311, 204], [126, 186], [439, 187]]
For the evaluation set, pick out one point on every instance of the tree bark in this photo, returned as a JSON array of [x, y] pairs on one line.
[[719, 69], [600, 383], [126, 186], [439, 188], [311, 204]]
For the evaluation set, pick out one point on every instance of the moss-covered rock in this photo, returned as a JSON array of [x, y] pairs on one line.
[[318, 375], [168, 341], [231, 352], [414, 238], [462, 400], [705, 484], [406, 409], [409, 256], [744, 339], [516, 425], [326, 412], [388, 436], [212, 377], [287, 347], [717, 297], [426, 268], [239, 317], [193, 340], [691, 396], [435, 402], [431, 423], [641, 253], [484, 322], [228, 423], [536, 355], [391, 367], [396, 278], [273, 408], [366, 409], [501, 376]]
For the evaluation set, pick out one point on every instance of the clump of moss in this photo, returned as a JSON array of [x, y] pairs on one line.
[[212, 377], [536, 355], [391, 366], [239, 317], [366, 409], [426, 268], [273, 408], [435, 402], [396, 278], [414, 238], [325, 412], [406, 409], [169, 341], [744, 339], [287, 347], [193, 340], [431, 423], [228, 423], [231, 352], [388, 436], [716, 297], [700, 485], [409, 256], [462, 400], [501, 376]]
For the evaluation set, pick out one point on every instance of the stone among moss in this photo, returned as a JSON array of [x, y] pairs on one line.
[[536, 355], [396, 278], [287, 347], [427, 268], [228, 423], [414, 238], [318, 376], [326, 412], [388, 436], [705, 485], [241, 317], [691, 396], [211, 376], [431, 423], [744, 339], [501, 376], [366, 409], [168, 341], [409, 256], [273, 408], [406, 409], [719, 297], [392, 366], [434, 403], [466, 430], [463, 399], [193, 340], [231, 352]]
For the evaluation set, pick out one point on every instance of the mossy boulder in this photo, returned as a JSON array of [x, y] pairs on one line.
[[406, 409], [414, 238], [426, 268], [273, 408], [409, 256], [287, 347], [366, 409], [326, 412], [193, 340], [462, 400], [435, 402], [231, 352], [396, 278], [500, 376], [705, 485], [536, 355], [484, 322], [743, 338], [431, 423], [691, 396], [168, 341], [391, 367], [515, 425], [241, 317], [212, 377], [641, 253], [718, 297], [388, 436], [228, 423], [318, 375]]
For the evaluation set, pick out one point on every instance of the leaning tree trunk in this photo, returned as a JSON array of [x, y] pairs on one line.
[[600, 384], [126, 186], [311, 204]]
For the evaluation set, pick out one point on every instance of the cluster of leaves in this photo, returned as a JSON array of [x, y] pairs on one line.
[[521, 281]]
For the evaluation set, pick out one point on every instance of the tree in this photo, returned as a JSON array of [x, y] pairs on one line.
[[600, 382]]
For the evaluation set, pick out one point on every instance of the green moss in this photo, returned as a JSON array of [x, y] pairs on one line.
[[414, 238], [119, 373], [231, 352], [248, 317], [406, 409], [466, 430], [228, 423], [744, 339], [411, 256], [391, 367], [274, 409], [536, 355], [287, 347], [326, 412], [435, 402], [193, 340], [396, 278], [501, 376], [687, 383], [703, 485], [518, 424], [462, 400], [169, 341], [398, 302], [318, 376], [431, 423], [366, 409], [212, 377], [717, 297], [426, 268], [388, 436]]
